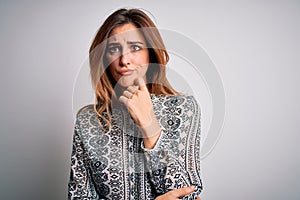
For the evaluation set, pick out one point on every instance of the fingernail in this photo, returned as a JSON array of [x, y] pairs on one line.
[[192, 188]]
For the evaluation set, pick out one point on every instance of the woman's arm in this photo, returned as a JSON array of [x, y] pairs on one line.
[[80, 185], [137, 100], [171, 138], [174, 161]]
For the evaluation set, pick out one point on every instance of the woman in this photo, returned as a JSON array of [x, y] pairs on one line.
[[140, 140]]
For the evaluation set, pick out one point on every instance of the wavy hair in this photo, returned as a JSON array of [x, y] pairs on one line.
[[101, 79]]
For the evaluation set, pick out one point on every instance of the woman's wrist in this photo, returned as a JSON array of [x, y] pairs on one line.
[[151, 133], [150, 142]]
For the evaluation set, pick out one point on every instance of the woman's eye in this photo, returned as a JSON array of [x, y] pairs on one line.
[[136, 48], [114, 49]]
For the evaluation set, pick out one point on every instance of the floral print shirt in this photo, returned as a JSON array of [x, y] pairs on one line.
[[115, 165]]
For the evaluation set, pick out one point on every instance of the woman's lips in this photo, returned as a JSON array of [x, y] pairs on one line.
[[125, 71]]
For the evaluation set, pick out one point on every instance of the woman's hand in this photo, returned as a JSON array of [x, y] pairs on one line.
[[138, 102], [176, 194]]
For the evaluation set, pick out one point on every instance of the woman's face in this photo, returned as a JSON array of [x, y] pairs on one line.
[[127, 54]]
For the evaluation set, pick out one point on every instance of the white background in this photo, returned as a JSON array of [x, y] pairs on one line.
[[254, 45]]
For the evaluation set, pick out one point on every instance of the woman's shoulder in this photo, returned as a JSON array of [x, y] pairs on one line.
[[171, 102], [85, 110], [174, 99]]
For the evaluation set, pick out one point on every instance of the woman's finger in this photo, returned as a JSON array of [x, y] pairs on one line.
[[123, 100], [141, 83], [176, 194], [183, 191], [127, 94], [133, 89]]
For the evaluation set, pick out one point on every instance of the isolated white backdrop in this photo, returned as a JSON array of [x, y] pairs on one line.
[[254, 45]]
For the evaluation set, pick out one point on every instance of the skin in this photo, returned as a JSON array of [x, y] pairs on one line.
[[176, 194], [128, 56]]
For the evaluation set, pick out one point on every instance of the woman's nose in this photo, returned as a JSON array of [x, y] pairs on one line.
[[125, 59]]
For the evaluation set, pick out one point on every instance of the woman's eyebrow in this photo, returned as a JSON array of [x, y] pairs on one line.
[[134, 42], [129, 42], [113, 43]]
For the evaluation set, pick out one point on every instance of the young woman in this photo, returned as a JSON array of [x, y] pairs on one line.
[[141, 138]]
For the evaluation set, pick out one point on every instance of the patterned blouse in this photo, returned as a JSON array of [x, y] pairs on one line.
[[115, 164]]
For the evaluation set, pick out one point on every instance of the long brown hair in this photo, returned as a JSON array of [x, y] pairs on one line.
[[101, 79]]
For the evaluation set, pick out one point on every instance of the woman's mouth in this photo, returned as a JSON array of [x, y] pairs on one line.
[[125, 71]]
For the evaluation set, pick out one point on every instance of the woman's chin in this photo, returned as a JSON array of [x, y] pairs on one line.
[[125, 82]]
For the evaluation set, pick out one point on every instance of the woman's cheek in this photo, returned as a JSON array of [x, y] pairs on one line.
[[142, 70]]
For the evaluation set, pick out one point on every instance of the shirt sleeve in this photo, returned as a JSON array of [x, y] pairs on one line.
[[174, 162], [80, 183]]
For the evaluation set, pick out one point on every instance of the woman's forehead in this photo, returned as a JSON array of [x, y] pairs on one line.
[[125, 32]]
